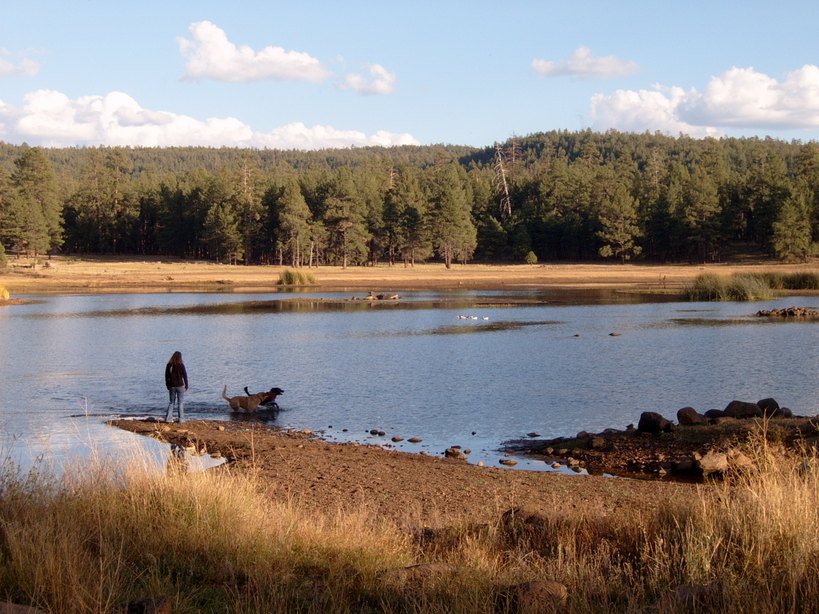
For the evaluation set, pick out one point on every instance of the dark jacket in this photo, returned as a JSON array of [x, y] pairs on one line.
[[175, 376]]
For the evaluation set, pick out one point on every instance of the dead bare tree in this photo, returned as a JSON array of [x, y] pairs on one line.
[[502, 183]]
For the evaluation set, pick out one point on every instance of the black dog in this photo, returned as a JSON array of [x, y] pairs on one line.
[[270, 399]]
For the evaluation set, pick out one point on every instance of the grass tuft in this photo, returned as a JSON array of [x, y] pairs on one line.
[[290, 277]]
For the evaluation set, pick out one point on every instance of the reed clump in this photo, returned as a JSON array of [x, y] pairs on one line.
[[747, 286], [289, 277], [214, 542]]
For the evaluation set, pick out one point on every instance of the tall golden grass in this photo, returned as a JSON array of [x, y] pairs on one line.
[[754, 286], [213, 542]]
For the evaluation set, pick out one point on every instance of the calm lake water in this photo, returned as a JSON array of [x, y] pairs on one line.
[[410, 368]]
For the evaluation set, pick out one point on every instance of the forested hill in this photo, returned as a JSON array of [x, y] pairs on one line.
[[550, 196]]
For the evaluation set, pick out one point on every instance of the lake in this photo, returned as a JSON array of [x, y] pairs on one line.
[[528, 361]]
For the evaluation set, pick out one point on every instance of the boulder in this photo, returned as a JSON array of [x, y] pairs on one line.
[[769, 407], [688, 416], [784, 412], [597, 443], [715, 413], [454, 453], [652, 422], [713, 463], [739, 461], [743, 409]]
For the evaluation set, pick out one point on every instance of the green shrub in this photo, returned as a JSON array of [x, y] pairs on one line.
[[290, 277], [747, 286], [741, 287], [706, 287], [530, 258], [802, 281]]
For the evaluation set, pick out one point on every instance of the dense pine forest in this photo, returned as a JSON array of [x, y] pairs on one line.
[[556, 196]]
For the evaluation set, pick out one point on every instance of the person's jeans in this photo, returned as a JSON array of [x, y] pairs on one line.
[[176, 397]]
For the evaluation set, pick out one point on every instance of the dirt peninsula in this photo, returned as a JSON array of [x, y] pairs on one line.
[[413, 490]]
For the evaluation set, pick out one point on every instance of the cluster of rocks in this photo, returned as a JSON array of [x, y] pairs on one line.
[[698, 445], [652, 422], [789, 312], [373, 296]]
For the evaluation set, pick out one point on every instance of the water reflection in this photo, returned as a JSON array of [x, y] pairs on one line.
[[483, 327], [463, 300]]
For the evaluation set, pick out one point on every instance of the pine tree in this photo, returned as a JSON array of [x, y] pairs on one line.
[[222, 232], [454, 235], [35, 207], [792, 240], [344, 218], [618, 218], [291, 217], [700, 215]]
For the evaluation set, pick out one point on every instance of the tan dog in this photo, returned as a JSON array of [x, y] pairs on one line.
[[244, 403]]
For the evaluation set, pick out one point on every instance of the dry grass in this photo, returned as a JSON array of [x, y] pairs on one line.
[[213, 543], [62, 273]]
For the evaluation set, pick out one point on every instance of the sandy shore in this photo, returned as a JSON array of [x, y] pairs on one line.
[[66, 274]]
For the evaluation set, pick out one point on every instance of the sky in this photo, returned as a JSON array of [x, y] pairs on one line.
[[317, 74]]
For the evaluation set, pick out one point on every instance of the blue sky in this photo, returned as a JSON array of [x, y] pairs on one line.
[[308, 75]]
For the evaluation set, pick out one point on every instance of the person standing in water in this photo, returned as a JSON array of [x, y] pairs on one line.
[[176, 381]]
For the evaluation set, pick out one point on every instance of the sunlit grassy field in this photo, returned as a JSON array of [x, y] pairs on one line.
[[65, 273], [212, 542]]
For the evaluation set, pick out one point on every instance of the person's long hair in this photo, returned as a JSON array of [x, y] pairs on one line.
[[176, 359]]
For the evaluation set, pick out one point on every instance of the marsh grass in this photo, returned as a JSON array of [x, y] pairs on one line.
[[747, 286], [289, 277], [213, 542]]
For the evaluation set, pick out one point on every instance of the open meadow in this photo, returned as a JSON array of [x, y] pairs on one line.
[[68, 274]]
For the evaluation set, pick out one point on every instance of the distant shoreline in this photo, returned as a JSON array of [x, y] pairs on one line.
[[61, 274]]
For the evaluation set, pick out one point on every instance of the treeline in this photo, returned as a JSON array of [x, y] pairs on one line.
[[550, 196]]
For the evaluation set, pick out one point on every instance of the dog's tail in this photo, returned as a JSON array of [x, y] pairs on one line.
[[224, 393]]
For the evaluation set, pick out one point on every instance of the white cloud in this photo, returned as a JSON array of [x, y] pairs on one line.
[[210, 55], [581, 63], [299, 136], [381, 81], [644, 110], [743, 97], [51, 119], [736, 98], [8, 68]]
